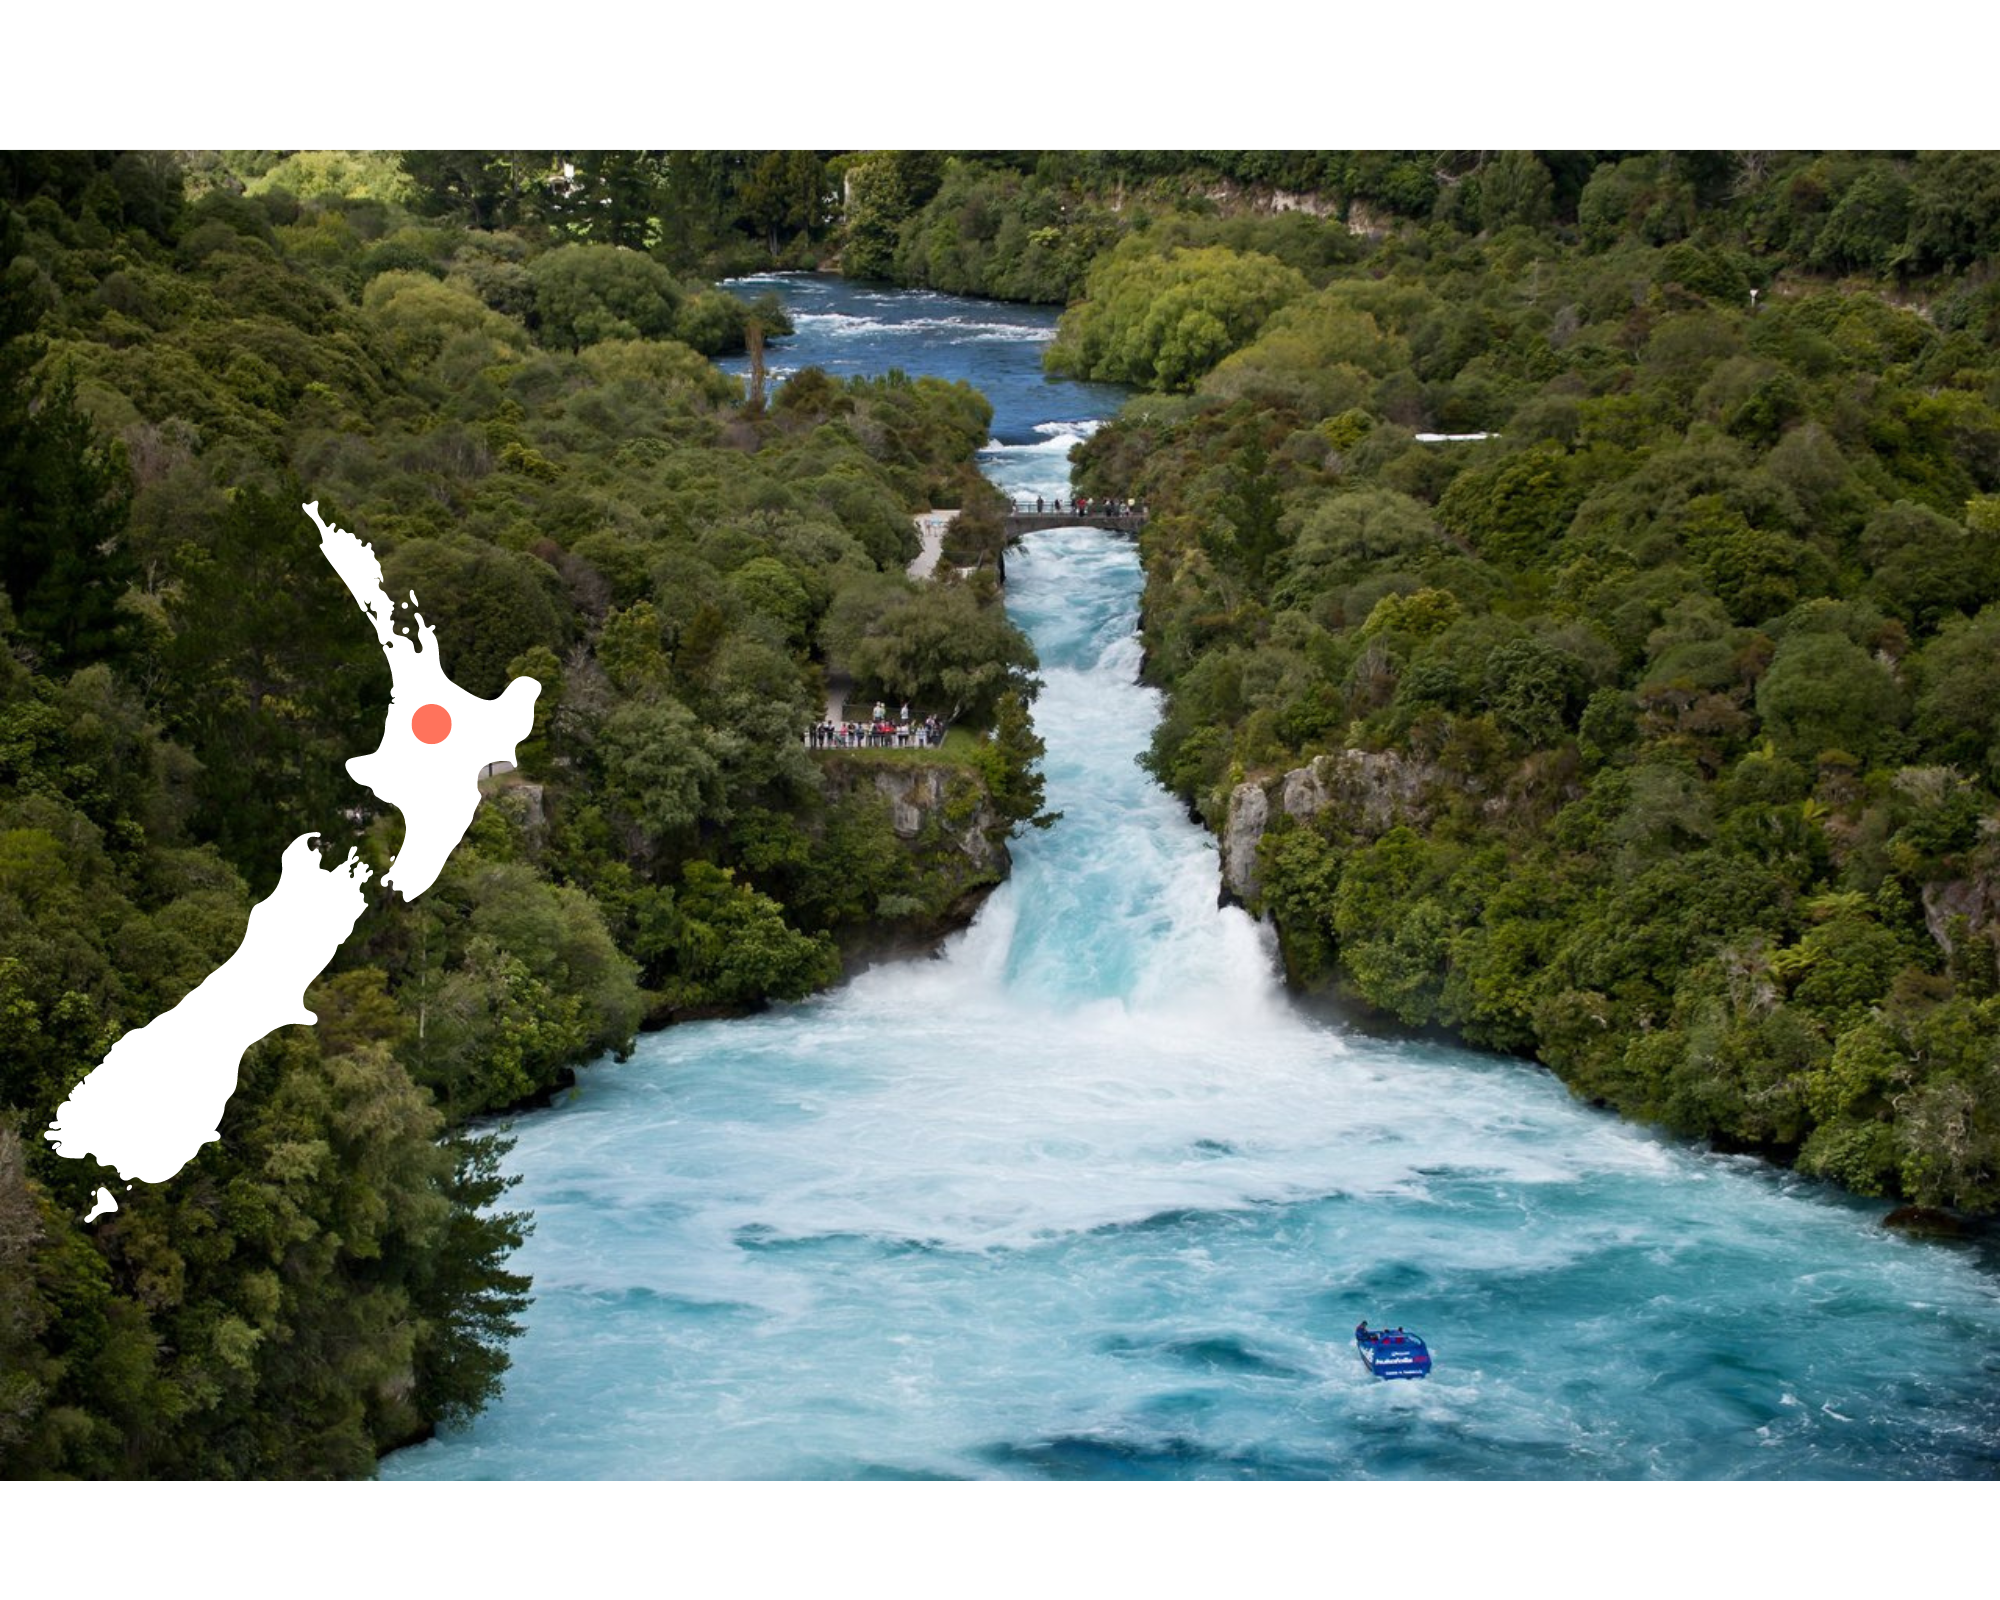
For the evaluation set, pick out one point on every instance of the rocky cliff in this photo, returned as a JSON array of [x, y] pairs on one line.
[[943, 818], [1963, 913], [1369, 792]]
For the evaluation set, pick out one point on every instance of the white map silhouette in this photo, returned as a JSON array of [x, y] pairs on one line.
[[435, 786], [158, 1095]]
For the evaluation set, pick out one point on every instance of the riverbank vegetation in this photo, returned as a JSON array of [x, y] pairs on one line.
[[1652, 733], [516, 409], [1671, 697]]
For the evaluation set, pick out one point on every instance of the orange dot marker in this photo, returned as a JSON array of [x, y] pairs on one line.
[[431, 723]]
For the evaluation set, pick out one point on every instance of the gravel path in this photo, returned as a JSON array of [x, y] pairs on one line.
[[930, 527]]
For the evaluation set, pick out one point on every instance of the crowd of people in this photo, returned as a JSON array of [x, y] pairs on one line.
[[880, 732], [1085, 505]]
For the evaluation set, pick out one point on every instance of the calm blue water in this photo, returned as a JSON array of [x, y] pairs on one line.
[[854, 329], [1086, 1197]]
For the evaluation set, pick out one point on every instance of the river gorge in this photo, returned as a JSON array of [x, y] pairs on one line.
[[1089, 1196]]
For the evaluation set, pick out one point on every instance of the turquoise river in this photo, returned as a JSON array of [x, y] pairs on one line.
[[1088, 1197]]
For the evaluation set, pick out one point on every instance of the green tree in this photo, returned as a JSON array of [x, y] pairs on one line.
[[1515, 189], [1926, 566], [612, 197], [588, 293], [786, 193], [1957, 712], [934, 645], [64, 499], [1251, 506], [733, 946], [466, 1297], [485, 189], [1513, 511], [1824, 692], [876, 202], [64, 496], [1868, 228], [275, 677], [1010, 762], [659, 765], [1956, 205], [489, 604], [1162, 321]]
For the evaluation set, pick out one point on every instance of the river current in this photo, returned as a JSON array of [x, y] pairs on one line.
[[1088, 1197]]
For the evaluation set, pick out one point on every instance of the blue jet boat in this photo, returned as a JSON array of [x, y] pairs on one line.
[[1392, 1352]]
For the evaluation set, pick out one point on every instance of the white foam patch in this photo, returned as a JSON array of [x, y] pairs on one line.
[[1059, 447], [947, 329]]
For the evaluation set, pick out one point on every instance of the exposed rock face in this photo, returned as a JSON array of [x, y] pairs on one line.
[[942, 814], [1974, 899], [1366, 223], [1369, 791], [1249, 812], [1969, 907], [918, 795], [1925, 1222], [1303, 795], [909, 798], [524, 800], [524, 803], [1235, 198]]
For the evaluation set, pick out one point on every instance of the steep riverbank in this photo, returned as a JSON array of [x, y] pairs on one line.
[[1091, 1196], [943, 815], [1088, 1197]]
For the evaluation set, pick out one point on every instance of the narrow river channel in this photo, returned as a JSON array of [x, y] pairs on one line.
[[1088, 1197]]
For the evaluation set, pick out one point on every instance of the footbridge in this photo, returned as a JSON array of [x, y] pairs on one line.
[[1020, 522]]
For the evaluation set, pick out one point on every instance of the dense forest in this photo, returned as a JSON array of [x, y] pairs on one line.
[[1650, 727], [1576, 580], [526, 426]]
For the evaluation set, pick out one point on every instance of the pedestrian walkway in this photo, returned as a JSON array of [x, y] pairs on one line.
[[930, 528], [839, 689]]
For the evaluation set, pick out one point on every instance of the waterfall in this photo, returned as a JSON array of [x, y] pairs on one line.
[[1089, 1196]]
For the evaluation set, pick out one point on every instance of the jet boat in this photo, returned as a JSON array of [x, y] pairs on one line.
[[1392, 1352]]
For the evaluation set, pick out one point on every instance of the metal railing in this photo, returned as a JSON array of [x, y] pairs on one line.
[[871, 735]]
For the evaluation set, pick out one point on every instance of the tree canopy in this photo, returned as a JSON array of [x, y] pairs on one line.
[[502, 387]]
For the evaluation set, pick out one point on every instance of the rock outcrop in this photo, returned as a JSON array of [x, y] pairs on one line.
[[1249, 813], [1966, 911], [524, 803], [1369, 792], [942, 814], [920, 796]]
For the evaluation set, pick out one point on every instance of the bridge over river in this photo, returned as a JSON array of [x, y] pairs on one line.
[[1020, 522]]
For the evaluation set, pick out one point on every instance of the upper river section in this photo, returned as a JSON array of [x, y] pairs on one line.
[[1088, 1197]]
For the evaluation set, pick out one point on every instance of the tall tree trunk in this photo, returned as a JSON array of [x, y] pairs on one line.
[[753, 334]]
